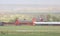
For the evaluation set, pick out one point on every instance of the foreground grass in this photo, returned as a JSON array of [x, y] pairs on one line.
[[33, 31], [31, 34], [29, 27]]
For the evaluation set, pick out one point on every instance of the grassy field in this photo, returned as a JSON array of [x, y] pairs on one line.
[[29, 30]]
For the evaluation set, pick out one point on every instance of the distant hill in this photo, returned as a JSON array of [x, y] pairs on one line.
[[29, 12]]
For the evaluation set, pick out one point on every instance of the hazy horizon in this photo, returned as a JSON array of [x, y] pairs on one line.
[[29, 6]]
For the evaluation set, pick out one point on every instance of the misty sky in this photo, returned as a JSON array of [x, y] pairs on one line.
[[41, 2], [29, 4]]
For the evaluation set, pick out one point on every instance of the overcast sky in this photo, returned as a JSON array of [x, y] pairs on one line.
[[48, 2], [28, 4]]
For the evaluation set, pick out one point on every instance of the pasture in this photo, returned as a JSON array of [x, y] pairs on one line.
[[29, 30]]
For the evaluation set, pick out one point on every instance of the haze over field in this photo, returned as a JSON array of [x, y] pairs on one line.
[[30, 6]]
